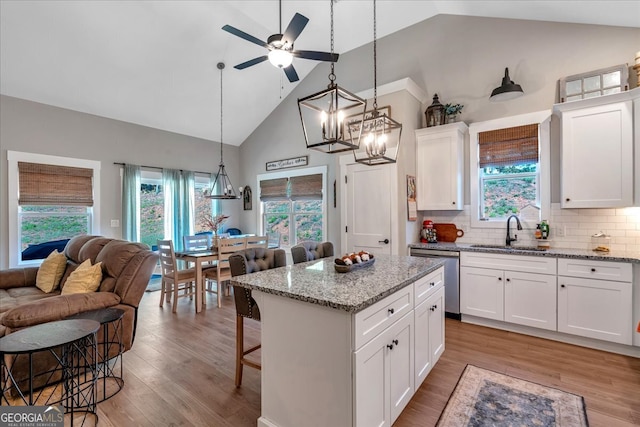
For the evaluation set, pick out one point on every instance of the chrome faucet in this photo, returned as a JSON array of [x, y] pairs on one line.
[[515, 238]]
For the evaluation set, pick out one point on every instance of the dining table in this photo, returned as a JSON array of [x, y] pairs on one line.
[[199, 258]]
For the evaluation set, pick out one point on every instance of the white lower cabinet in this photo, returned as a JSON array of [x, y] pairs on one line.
[[530, 299], [592, 307], [384, 375], [429, 335], [482, 292]]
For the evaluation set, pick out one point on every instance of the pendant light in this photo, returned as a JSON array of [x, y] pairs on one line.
[[508, 90], [221, 188], [332, 118], [380, 133]]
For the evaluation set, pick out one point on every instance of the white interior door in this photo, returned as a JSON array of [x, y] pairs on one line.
[[368, 216]]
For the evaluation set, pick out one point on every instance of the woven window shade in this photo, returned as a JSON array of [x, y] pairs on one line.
[[508, 147], [274, 189], [42, 184], [306, 187]]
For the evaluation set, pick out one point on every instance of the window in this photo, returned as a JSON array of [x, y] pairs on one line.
[[510, 171], [293, 205], [51, 198]]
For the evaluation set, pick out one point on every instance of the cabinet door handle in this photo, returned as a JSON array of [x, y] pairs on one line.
[[432, 284], [453, 203], [508, 280], [391, 310], [395, 342], [390, 346], [499, 278], [593, 270], [433, 307], [568, 199], [562, 286]]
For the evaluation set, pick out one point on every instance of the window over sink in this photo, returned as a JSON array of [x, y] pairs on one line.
[[510, 169]]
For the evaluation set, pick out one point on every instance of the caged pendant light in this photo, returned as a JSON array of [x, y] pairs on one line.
[[380, 134], [332, 118], [221, 188]]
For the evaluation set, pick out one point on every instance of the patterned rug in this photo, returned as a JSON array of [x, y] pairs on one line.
[[487, 398]]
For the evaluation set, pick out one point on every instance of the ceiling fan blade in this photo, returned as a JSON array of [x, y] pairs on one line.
[[291, 73], [243, 35], [297, 24], [251, 62], [315, 55]]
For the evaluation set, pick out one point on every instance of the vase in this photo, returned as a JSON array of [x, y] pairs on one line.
[[451, 118], [214, 241]]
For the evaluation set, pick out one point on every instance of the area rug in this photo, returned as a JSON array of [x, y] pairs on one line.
[[487, 398], [155, 283]]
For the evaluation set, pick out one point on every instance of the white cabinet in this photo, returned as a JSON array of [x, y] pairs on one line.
[[597, 151], [429, 334], [384, 375], [512, 288], [595, 299], [440, 167]]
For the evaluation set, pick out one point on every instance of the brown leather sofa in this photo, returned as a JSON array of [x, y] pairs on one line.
[[126, 270]]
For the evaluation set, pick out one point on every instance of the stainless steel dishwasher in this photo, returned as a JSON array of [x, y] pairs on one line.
[[451, 277]]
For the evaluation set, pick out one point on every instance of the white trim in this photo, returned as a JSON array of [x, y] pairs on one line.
[[13, 157], [287, 173], [404, 84], [543, 118]]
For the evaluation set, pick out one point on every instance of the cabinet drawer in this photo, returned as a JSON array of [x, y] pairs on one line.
[[590, 269], [522, 263], [427, 285], [378, 317]]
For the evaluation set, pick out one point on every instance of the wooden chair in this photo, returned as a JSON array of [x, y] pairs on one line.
[[197, 242], [178, 282], [256, 242], [222, 272], [245, 262], [308, 251]]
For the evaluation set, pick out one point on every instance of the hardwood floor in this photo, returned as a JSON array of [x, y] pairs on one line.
[[180, 371]]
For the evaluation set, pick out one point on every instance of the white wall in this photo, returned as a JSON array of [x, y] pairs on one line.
[[37, 128]]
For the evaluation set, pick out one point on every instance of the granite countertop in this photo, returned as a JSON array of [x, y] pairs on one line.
[[620, 256], [317, 282]]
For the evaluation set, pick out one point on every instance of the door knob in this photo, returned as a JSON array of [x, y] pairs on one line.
[[385, 241]]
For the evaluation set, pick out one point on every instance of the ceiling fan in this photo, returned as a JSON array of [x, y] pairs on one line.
[[280, 47]]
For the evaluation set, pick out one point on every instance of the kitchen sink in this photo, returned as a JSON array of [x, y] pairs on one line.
[[510, 248]]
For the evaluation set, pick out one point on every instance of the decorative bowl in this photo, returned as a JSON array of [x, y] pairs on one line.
[[347, 268]]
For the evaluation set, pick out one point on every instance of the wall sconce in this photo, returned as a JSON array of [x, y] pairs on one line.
[[508, 89]]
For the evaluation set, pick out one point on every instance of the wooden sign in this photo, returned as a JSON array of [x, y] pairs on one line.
[[288, 163]]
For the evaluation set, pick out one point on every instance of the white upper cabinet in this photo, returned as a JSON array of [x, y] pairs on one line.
[[597, 151], [440, 167]]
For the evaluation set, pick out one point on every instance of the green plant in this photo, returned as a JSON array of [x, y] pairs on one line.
[[453, 109]]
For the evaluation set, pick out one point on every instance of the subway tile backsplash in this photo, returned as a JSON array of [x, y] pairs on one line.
[[569, 228]]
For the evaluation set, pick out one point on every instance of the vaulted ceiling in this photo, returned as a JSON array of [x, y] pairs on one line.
[[153, 63]]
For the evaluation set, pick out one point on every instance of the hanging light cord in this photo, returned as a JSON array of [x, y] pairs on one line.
[[332, 76], [221, 67], [375, 62]]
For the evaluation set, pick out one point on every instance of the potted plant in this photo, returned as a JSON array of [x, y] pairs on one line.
[[451, 111]]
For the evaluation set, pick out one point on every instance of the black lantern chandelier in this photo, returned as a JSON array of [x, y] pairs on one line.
[[380, 133], [221, 188], [332, 118]]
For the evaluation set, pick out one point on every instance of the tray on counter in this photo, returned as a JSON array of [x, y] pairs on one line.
[[347, 268]]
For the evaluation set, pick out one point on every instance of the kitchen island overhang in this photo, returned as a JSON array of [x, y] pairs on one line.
[[311, 316]]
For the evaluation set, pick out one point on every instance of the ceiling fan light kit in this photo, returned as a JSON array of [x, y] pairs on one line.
[[221, 187], [332, 118], [380, 134], [280, 47]]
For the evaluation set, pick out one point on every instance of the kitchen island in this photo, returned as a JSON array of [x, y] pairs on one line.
[[338, 348]]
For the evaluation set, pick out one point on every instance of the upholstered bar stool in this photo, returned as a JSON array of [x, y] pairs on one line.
[[308, 251], [245, 262]]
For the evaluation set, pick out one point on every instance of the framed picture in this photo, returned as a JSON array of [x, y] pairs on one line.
[[247, 198], [352, 122], [412, 207]]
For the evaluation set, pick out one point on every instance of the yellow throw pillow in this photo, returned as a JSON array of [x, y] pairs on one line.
[[51, 271], [86, 278]]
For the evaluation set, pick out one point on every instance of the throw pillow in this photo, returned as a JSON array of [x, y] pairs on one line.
[[51, 271], [86, 278]]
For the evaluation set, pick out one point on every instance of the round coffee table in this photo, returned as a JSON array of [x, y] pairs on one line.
[[109, 379], [72, 345]]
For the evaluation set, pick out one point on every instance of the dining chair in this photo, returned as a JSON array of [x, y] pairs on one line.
[[179, 282], [308, 251], [256, 241], [197, 242], [249, 261], [273, 239], [222, 273]]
